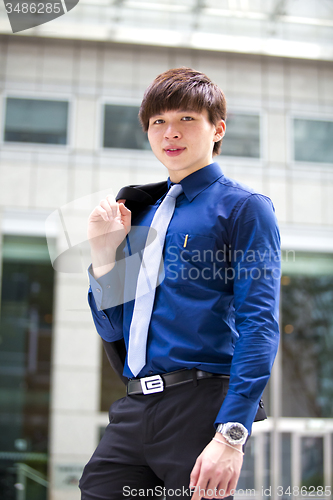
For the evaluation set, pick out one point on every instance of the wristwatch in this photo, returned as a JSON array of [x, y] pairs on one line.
[[233, 432]]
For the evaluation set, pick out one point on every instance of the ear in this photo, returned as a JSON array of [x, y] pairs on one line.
[[219, 130]]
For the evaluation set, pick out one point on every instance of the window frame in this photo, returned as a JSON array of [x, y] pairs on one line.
[[39, 97], [296, 115], [116, 101], [249, 110]]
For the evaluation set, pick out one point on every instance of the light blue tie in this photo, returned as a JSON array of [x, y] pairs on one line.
[[147, 281]]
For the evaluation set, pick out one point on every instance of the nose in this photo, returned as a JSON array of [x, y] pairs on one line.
[[172, 132]]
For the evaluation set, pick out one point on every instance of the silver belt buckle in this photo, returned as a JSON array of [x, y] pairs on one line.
[[152, 384]]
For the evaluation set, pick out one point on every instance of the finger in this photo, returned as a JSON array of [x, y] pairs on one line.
[[113, 205], [121, 201], [111, 199], [221, 492], [232, 485], [107, 207], [224, 486], [201, 487], [99, 212], [195, 473], [212, 490], [219, 481], [125, 216]]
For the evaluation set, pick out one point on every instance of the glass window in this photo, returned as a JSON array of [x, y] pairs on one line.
[[312, 453], [36, 121], [313, 140], [307, 336], [25, 361], [242, 136], [122, 128]]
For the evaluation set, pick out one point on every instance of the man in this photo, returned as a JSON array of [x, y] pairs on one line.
[[214, 315]]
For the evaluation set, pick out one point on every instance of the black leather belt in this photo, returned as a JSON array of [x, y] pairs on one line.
[[157, 383]]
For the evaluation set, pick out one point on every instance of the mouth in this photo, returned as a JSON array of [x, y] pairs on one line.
[[174, 151]]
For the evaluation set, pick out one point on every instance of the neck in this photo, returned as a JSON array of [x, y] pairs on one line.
[[177, 176]]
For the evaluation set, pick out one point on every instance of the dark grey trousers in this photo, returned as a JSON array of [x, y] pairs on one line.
[[152, 442]]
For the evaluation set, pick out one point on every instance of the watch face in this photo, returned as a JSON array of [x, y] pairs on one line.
[[236, 433]]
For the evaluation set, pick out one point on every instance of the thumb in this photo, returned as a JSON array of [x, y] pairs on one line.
[[124, 210]]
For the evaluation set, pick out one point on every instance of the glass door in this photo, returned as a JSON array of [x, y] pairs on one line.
[[25, 361]]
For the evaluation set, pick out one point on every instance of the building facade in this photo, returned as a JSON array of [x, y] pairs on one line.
[[69, 134]]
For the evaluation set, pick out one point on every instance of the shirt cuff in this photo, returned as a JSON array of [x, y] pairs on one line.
[[237, 408], [106, 289], [109, 322]]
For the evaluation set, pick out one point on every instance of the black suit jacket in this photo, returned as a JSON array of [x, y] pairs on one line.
[[137, 198]]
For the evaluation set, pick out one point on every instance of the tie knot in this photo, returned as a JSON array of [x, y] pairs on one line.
[[175, 190]]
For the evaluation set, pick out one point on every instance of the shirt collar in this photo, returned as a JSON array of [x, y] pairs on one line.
[[199, 180]]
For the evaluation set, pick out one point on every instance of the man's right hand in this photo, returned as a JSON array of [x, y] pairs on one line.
[[108, 225]]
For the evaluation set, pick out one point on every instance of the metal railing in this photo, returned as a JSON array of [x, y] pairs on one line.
[[24, 472]]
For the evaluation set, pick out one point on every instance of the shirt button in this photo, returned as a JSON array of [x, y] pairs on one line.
[[108, 286], [150, 372], [104, 317], [98, 289]]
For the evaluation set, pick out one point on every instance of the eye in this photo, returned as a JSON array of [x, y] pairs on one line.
[[187, 118], [158, 121]]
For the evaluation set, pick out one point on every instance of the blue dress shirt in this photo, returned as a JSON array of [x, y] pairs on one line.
[[217, 307]]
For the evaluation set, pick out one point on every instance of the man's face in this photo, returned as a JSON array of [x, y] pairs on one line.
[[183, 140]]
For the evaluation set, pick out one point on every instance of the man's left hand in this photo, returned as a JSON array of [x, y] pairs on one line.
[[216, 470]]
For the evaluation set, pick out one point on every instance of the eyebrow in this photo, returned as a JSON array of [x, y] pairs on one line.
[[188, 110]]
